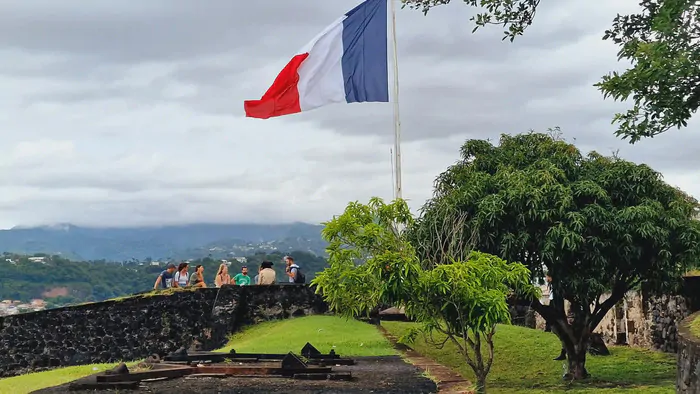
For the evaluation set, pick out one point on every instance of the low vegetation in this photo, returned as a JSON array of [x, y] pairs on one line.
[[523, 364]]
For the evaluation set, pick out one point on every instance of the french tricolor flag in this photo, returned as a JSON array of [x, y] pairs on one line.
[[347, 62]]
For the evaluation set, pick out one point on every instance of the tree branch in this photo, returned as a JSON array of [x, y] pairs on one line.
[[489, 342], [615, 296]]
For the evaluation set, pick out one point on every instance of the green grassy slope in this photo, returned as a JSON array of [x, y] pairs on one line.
[[346, 337], [34, 381], [523, 364], [695, 327]]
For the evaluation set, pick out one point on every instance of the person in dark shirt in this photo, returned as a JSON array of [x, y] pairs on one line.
[[197, 277], [165, 279]]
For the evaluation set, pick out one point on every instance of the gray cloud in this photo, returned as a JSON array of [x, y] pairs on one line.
[[118, 113]]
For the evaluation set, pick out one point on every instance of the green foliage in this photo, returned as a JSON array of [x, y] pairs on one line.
[[371, 263], [514, 15], [597, 224], [662, 43], [472, 292], [594, 222]]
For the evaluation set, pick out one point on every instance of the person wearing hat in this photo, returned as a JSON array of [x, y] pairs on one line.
[[165, 279], [242, 279], [267, 275]]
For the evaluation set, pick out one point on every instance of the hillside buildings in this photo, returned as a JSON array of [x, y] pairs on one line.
[[13, 307]]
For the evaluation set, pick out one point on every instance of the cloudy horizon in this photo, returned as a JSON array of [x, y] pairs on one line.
[[131, 114]]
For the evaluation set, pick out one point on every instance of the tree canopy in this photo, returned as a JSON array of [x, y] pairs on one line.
[[596, 224], [371, 263], [662, 43]]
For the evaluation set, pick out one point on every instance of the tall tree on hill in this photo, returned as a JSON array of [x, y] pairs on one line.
[[662, 42], [596, 224]]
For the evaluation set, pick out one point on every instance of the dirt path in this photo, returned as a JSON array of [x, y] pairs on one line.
[[448, 381]]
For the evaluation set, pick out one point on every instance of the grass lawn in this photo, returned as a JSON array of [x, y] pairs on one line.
[[24, 384], [695, 327], [346, 337], [523, 364]]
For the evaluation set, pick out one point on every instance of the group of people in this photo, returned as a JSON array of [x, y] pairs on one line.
[[178, 276]]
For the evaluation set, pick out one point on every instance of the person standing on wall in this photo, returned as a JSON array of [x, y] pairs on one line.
[[294, 271], [242, 279]]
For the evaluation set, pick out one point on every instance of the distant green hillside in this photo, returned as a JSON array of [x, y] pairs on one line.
[[176, 242], [61, 281]]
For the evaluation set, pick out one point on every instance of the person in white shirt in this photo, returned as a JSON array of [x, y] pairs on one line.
[[181, 278]]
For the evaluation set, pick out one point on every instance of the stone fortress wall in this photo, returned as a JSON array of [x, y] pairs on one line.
[[688, 370], [136, 327]]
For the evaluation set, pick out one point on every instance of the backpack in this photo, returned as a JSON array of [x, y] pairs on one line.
[[299, 277]]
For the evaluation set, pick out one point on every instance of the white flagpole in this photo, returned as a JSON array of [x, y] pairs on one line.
[[397, 122], [391, 158]]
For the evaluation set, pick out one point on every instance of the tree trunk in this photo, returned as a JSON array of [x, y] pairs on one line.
[[576, 353], [575, 327], [577, 364], [481, 384], [575, 350]]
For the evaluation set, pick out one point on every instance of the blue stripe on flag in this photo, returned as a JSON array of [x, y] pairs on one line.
[[365, 60]]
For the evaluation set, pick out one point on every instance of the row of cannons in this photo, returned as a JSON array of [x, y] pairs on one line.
[[309, 364]]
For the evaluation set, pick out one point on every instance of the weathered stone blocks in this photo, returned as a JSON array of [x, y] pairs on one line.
[[688, 372], [140, 326]]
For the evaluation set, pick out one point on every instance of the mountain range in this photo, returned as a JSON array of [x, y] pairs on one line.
[[168, 242]]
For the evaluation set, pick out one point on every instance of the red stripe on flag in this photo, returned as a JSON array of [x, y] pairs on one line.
[[282, 98]]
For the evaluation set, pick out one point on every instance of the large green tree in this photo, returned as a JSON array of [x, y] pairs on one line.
[[371, 263], [662, 43], [598, 225]]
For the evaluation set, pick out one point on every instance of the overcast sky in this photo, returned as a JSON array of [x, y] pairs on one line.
[[118, 113]]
